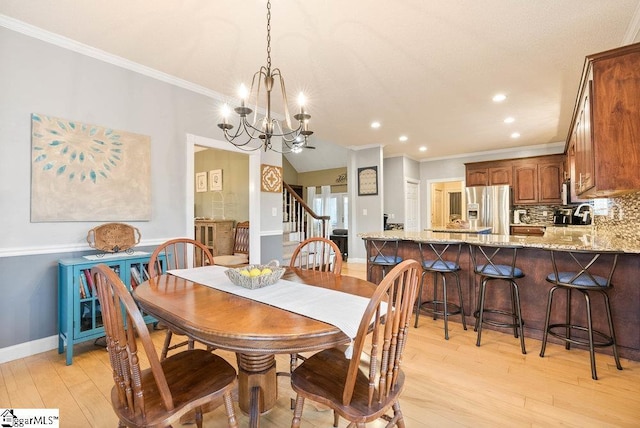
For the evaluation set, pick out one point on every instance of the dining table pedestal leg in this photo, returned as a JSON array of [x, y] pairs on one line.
[[257, 384]]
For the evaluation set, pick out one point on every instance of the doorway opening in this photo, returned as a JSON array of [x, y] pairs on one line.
[[446, 202], [194, 141]]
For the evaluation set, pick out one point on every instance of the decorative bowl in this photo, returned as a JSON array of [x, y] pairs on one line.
[[253, 282]]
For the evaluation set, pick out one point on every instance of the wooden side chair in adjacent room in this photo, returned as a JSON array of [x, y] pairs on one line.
[[317, 253], [496, 263], [179, 253], [441, 258], [366, 386], [169, 389], [587, 273], [240, 254]]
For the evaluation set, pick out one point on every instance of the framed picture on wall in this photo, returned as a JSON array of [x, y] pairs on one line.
[[215, 180], [271, 178], [368, 181], [201, 181]]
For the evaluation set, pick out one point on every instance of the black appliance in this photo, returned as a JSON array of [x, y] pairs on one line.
[[562, 217], [341, 239], [385, 218]]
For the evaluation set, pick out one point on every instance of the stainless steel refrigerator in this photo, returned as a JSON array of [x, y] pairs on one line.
[[489, 206]]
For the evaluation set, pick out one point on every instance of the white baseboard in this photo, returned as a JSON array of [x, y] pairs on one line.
[[27, 349]]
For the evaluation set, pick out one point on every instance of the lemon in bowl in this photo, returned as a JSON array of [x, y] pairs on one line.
[[255, 276]]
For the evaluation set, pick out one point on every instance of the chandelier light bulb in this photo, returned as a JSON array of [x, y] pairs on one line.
[[243, 93], [225, 111], [302, 101]]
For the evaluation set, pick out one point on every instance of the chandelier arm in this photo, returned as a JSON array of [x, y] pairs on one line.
[[287, 116], [258, 76], [289, 135], [241, 146]]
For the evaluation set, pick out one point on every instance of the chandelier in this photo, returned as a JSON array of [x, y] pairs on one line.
[[252, 128]]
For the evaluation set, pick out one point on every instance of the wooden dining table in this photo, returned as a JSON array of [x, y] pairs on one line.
[[255, 331]]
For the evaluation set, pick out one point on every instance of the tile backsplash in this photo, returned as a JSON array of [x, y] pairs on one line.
[[622, 220], [624, 217]]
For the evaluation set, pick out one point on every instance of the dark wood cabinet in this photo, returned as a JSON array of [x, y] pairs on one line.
[[604, 136], [525, 184], [550, 179], [477, 176], [500, 175], [535, 180], [491, 173], [528, 230]]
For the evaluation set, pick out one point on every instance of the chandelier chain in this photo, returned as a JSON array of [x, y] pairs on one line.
[[268, 35], [263, 130]]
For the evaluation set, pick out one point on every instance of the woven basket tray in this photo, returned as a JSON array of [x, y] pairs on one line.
[[253, 282], [113, 237]]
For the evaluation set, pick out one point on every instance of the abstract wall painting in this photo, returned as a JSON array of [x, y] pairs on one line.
[[83, 172]]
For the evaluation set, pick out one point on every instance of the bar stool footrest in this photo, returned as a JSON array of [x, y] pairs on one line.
[[605, 341], [497, 323], [452, 308]]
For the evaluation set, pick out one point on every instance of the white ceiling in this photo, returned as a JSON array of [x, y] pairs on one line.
[[425, 69]]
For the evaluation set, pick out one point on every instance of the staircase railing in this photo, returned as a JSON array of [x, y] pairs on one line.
[[299, 219]]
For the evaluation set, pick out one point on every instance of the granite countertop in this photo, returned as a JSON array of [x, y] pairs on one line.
[[570, 238], [455, 230]]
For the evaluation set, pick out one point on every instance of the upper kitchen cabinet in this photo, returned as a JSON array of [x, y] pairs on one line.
[[535, 180], [538, 180], [604, 137], [492, 173]]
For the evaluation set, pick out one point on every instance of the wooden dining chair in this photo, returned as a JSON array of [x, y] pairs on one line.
[[168, 390], [365, 387], [179, 253], [317, 253]]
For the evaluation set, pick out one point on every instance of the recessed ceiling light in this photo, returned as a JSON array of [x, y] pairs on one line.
[[403, 138], [509, 119], [498, 98], [423, 149], [515, 135], [375, 125]]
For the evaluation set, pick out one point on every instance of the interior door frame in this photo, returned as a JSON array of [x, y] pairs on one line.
[[254, 186]]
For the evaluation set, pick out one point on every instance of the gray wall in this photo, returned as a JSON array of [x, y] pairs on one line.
[[359, 222], [39, 77], [396, 171], [394, 189]]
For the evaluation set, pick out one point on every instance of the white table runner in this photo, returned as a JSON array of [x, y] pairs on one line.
[[342, 310]]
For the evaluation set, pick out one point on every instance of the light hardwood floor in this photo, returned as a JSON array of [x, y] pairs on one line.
[[449, 384]]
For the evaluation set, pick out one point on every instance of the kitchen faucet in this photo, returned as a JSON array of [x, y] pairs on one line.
[[588, 213]]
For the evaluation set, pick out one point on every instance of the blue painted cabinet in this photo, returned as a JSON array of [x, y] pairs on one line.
[[79, 314]]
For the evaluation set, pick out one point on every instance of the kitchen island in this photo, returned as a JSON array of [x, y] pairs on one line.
[[534, 259]]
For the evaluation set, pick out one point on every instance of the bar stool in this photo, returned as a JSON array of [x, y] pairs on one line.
[[383, 253], [498, 262], [581, 276], [442, 258]]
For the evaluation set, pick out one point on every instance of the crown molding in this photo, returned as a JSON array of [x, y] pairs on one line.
[[81, 48]]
